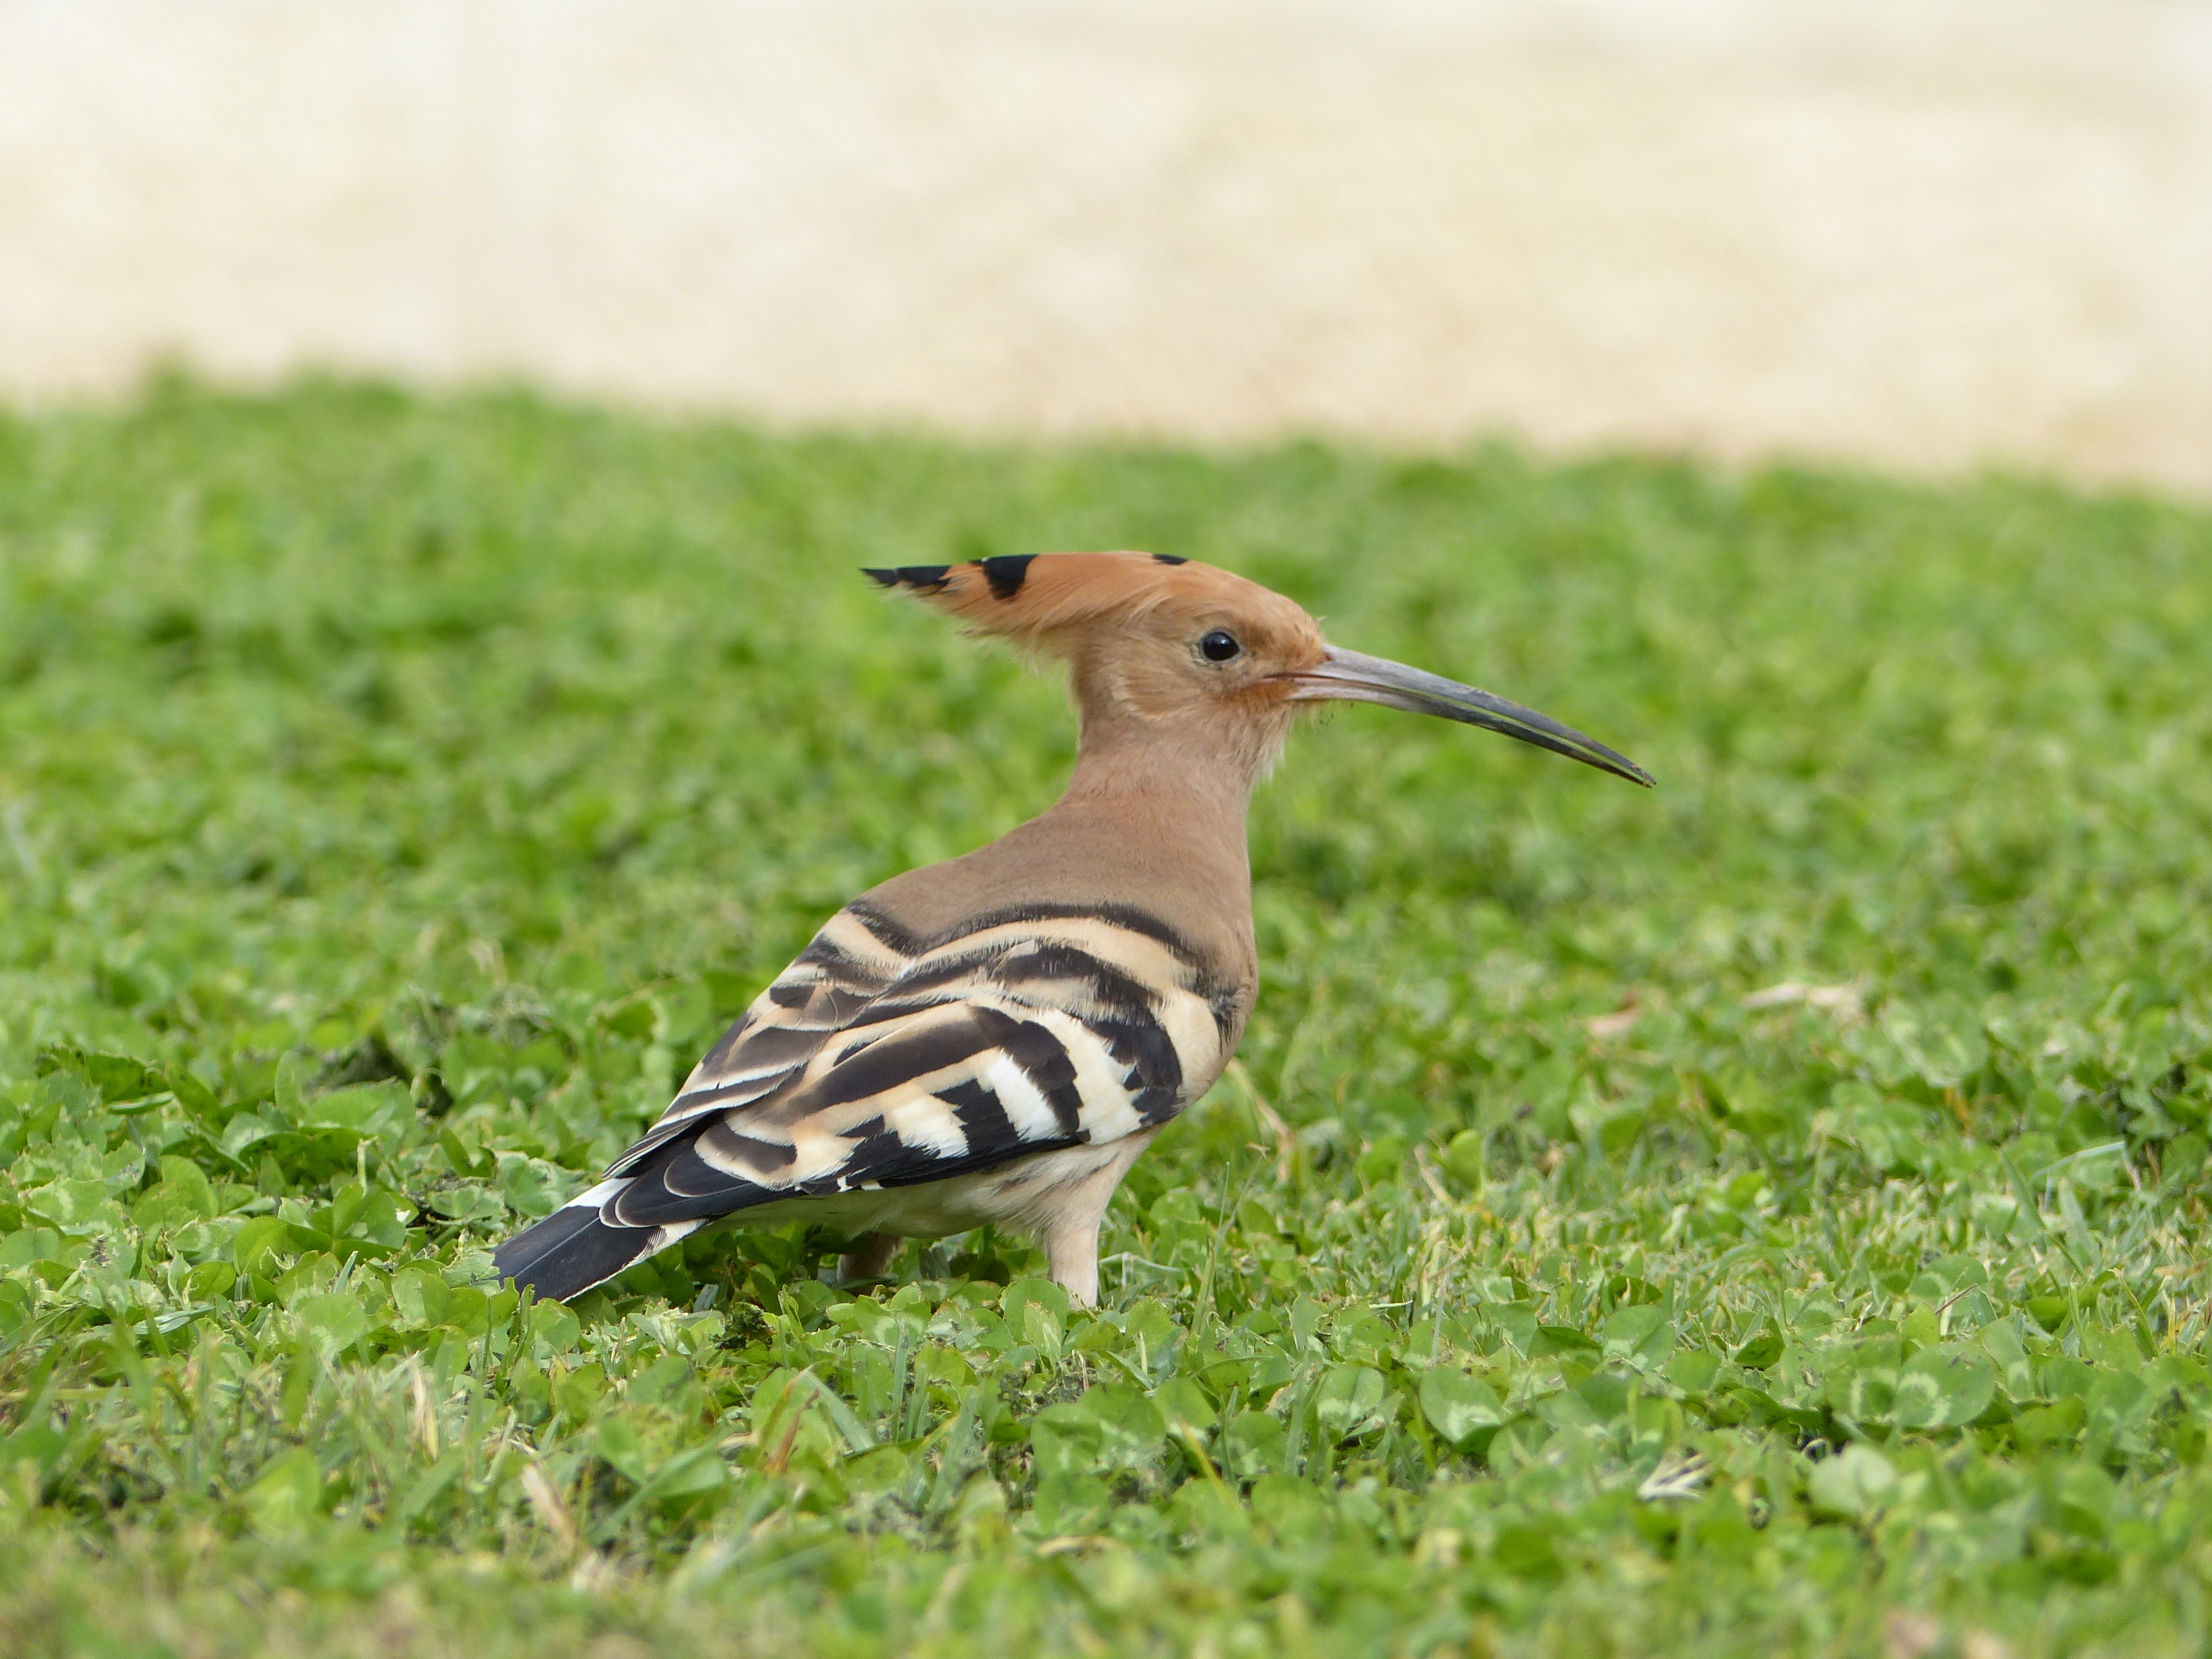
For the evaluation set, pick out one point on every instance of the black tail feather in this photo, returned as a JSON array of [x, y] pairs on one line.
[[569, 1252]]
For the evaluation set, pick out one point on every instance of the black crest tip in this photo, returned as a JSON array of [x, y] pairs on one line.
[[1007, 572], [927, 576], [1169, 558]]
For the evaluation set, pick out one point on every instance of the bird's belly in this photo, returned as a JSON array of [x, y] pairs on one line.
[[1024, 1194]]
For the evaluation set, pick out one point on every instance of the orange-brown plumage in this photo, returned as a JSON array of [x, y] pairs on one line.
[[1126, 623], [1056, 600]]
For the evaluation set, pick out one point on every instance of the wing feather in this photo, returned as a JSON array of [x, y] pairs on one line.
[[880, 1059]]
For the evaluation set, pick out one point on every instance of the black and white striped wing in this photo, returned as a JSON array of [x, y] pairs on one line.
[[880, 1059], [828, 986]]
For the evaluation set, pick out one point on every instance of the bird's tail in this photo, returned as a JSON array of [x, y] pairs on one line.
[[576, 1248]]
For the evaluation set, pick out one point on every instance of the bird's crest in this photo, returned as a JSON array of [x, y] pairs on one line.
[[1033, 597]]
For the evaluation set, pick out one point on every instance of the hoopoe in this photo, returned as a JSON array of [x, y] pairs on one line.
[[997, 1038]]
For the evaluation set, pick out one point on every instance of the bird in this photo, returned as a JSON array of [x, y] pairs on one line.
[[997, 1038]]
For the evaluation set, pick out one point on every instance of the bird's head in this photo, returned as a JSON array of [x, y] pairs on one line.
[[1167, 649]]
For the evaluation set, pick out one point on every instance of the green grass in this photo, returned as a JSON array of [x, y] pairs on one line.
[[395, 796]]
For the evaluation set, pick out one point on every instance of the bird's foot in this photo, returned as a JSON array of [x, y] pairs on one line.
[[871, 1257]]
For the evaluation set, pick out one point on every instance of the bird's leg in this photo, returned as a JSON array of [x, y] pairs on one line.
[[871, 1256], [1069, 1220], [1070, 1254]]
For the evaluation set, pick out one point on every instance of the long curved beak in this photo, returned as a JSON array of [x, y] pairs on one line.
[[1354, 676]]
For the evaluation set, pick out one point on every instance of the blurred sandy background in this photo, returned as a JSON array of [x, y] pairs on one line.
[[1930, 235]]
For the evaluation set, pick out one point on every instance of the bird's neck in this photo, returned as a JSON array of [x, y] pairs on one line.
[[1161, 789], [1140, 827]]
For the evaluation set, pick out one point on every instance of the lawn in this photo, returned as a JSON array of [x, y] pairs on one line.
[[1759, 1217]]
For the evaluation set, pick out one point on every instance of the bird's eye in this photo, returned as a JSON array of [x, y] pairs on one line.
[[1219, 646]]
